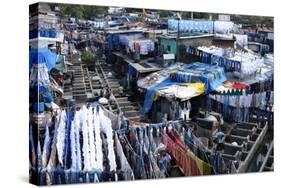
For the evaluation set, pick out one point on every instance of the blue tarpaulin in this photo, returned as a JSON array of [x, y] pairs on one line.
[[132, 71], [150, 93], [42, 33], [211, 76], [42, 55]]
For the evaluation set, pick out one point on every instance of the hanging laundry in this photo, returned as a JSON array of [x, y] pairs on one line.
[[61, 137], [106, 127], [127, 172], [98, 141], [75, 144], [190, 26], [46, 148], [142, 46], [245, 63], [223, 26]]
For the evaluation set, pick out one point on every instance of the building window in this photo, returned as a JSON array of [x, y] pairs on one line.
[[169, 48]]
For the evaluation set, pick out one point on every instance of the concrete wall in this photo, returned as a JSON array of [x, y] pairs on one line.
[[224, 43], [202, 41], [195, 42], [166, 43], [170, 43]]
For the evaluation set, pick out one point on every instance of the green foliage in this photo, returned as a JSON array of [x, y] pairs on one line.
[[253, 20], [164, 13], [87, 57], [81, 11]]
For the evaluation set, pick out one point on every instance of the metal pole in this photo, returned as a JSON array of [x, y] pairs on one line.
[[177, 52]]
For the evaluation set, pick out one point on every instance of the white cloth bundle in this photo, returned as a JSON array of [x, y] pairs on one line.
[[61, 137], [86, 147], [93, 164], [107, 129], [98, 141], [75, 143]]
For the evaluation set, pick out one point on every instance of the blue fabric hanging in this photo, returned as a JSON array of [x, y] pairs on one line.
[[67, 145], [42, 55], [150, 92], [47, 143]]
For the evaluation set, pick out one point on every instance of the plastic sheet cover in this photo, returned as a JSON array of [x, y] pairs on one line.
[[42, 55], [211, 76]]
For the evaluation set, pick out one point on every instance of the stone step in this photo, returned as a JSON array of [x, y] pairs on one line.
[[129, 108], [121, 98], [80, 96], [114, 86], [81, 81], [79, 86], [131, 113], [125, 103], [113, 80], [79, 92], [135, 118], [77, 69]]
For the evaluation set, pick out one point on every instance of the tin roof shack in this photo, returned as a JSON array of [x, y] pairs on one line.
[[132, 55], [131, 71], [168, 43], [176, 84]]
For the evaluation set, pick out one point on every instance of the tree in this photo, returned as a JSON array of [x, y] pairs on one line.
[[81, 11], [164, 13], [88, 57]]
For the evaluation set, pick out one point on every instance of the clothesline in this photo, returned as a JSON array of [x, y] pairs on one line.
[[205, 26]]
